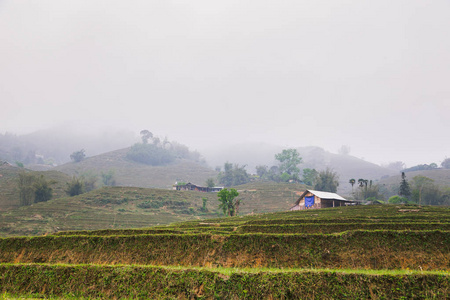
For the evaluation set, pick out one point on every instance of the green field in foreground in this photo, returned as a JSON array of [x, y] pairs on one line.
[[112, 282], [360, 252]]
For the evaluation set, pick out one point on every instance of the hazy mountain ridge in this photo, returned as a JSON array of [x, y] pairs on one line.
[[56, 145], [53, 146]]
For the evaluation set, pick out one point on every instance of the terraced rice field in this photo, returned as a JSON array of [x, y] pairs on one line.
[[361, 252]]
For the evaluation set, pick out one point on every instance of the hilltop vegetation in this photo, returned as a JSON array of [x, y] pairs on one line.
[[130, 173]]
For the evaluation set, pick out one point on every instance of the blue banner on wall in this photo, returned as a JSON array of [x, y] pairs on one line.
[[309, 201]]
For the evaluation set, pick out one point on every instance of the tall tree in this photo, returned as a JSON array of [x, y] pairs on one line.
[[233, 175], [405, 189], [420, 183], [361, 182], [289, 160], [262, 171], [210, 182], [352, 182], [309, 176], [26, 190], [226, 177], [108, 178], [228, 202], [145, 136], [446, 163], [327, 181], [78, 156]]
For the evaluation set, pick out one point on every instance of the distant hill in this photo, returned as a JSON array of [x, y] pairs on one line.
[[131, 173], [54, 145], [9, 192]]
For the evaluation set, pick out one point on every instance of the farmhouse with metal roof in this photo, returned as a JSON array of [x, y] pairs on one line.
[[318, 199]]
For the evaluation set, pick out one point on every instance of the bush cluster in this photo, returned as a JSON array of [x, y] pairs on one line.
[[150, 154]]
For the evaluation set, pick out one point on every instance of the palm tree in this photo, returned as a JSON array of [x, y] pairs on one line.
[[361, 182], [352, 182], [365, 190]]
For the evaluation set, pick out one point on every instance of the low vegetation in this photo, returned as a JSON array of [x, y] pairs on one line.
[[384, 251], [149, 282], [150, 154]]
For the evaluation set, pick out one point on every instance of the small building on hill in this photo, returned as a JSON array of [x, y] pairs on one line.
[[317, 199], [193, 187]]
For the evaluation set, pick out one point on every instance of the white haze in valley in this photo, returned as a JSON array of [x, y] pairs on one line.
[[373, 75]]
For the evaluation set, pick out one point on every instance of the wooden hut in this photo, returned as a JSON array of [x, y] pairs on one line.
[[318, 199]]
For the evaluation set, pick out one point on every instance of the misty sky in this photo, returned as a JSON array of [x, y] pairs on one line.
[[373, 75]]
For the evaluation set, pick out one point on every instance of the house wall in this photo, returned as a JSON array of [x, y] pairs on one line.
[[329, 203], [317, 202]]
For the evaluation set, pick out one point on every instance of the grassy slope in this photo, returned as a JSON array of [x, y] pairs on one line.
[[117, 207], [262, 197], [130, 173], [9, 192], [113, 207]]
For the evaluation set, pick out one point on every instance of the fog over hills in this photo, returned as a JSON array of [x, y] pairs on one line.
[[107, 150], [372, 75]]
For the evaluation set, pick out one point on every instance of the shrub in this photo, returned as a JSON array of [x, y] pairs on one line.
[[75, 187], [34, 188], [42, 189], [397, 199], [108, 178], [150, 154]]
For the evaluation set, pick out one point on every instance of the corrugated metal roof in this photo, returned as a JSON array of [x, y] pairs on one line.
[[327, 195]]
